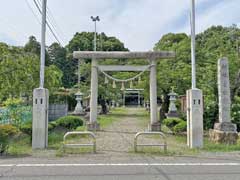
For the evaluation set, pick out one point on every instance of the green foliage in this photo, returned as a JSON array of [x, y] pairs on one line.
[[27, 128], [52, 125], [13, 102], [180, 127], [69, 122], [33, 46], [212, 44], [6, 133], [176, 125], [81, 128], [19, 73], [84, 42], [171, 122]]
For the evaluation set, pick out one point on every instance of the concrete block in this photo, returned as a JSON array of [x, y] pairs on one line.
[[194, 118], [40, 118]]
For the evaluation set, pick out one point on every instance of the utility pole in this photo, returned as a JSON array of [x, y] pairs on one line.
[[95, 19], [43, 41], [194, 97], [193, 56], [41, 96]]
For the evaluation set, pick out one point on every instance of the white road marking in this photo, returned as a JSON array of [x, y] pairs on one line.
[[120, 164]]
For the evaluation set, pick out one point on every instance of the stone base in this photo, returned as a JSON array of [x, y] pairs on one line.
[[172, 114], [225, 126], [93, 126], [223, 137], [155, 127], [79, 113]]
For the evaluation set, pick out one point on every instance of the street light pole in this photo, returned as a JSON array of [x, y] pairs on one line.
[[193, 44], [43, 41], [95, 19], [93, 124]]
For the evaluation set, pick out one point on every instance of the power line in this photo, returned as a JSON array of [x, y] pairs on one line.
[[51, 17], [50, 28], [34, 14], [53, 22]]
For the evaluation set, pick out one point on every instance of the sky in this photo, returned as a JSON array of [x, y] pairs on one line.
[[139, 24]]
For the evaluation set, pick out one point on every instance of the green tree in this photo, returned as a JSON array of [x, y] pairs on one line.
[[212, 44]]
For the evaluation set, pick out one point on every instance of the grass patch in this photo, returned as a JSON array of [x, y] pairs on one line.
[[118, 113], [212, 147], [177, 145], [20, 146], [55, 140], [67, 150], [108, 119]]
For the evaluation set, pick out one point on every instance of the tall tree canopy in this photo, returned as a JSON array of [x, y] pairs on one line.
[[212, 44], [19, 73]]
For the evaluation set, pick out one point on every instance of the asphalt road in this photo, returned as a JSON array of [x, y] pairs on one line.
[[182, 168]]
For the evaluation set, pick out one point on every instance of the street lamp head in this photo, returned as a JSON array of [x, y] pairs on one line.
[[95, 18]]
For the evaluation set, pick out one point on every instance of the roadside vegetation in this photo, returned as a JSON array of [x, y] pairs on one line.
[[19, 75]]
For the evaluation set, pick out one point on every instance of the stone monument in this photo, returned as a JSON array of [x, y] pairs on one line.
[[224, 131]]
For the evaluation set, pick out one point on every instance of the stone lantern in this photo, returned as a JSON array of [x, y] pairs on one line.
[[172, 111], [113, 104], [79, 109]]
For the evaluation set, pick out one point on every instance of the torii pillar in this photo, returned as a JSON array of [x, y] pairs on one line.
[[154, 123], [93, 125]]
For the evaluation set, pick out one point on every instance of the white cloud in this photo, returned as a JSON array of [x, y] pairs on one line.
[[138, 23], [224, 13]]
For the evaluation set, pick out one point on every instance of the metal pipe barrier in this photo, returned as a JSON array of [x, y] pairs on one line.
[[79, 145], [150, 133]]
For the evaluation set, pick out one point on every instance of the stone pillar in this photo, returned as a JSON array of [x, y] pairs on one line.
[[93, 125], [154, 125], [40, 118], [194, 118], [224, 131]]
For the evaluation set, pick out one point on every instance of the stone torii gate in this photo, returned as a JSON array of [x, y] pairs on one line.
[[97, 55]]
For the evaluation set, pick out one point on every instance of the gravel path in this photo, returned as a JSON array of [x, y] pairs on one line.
[[119, 136]]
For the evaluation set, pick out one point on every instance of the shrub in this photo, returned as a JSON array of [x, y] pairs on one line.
[[27, 128], [176, 125], [69, 122], [6, 133], [180, 127], [171, 122], [52, 125], [13, 102]]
